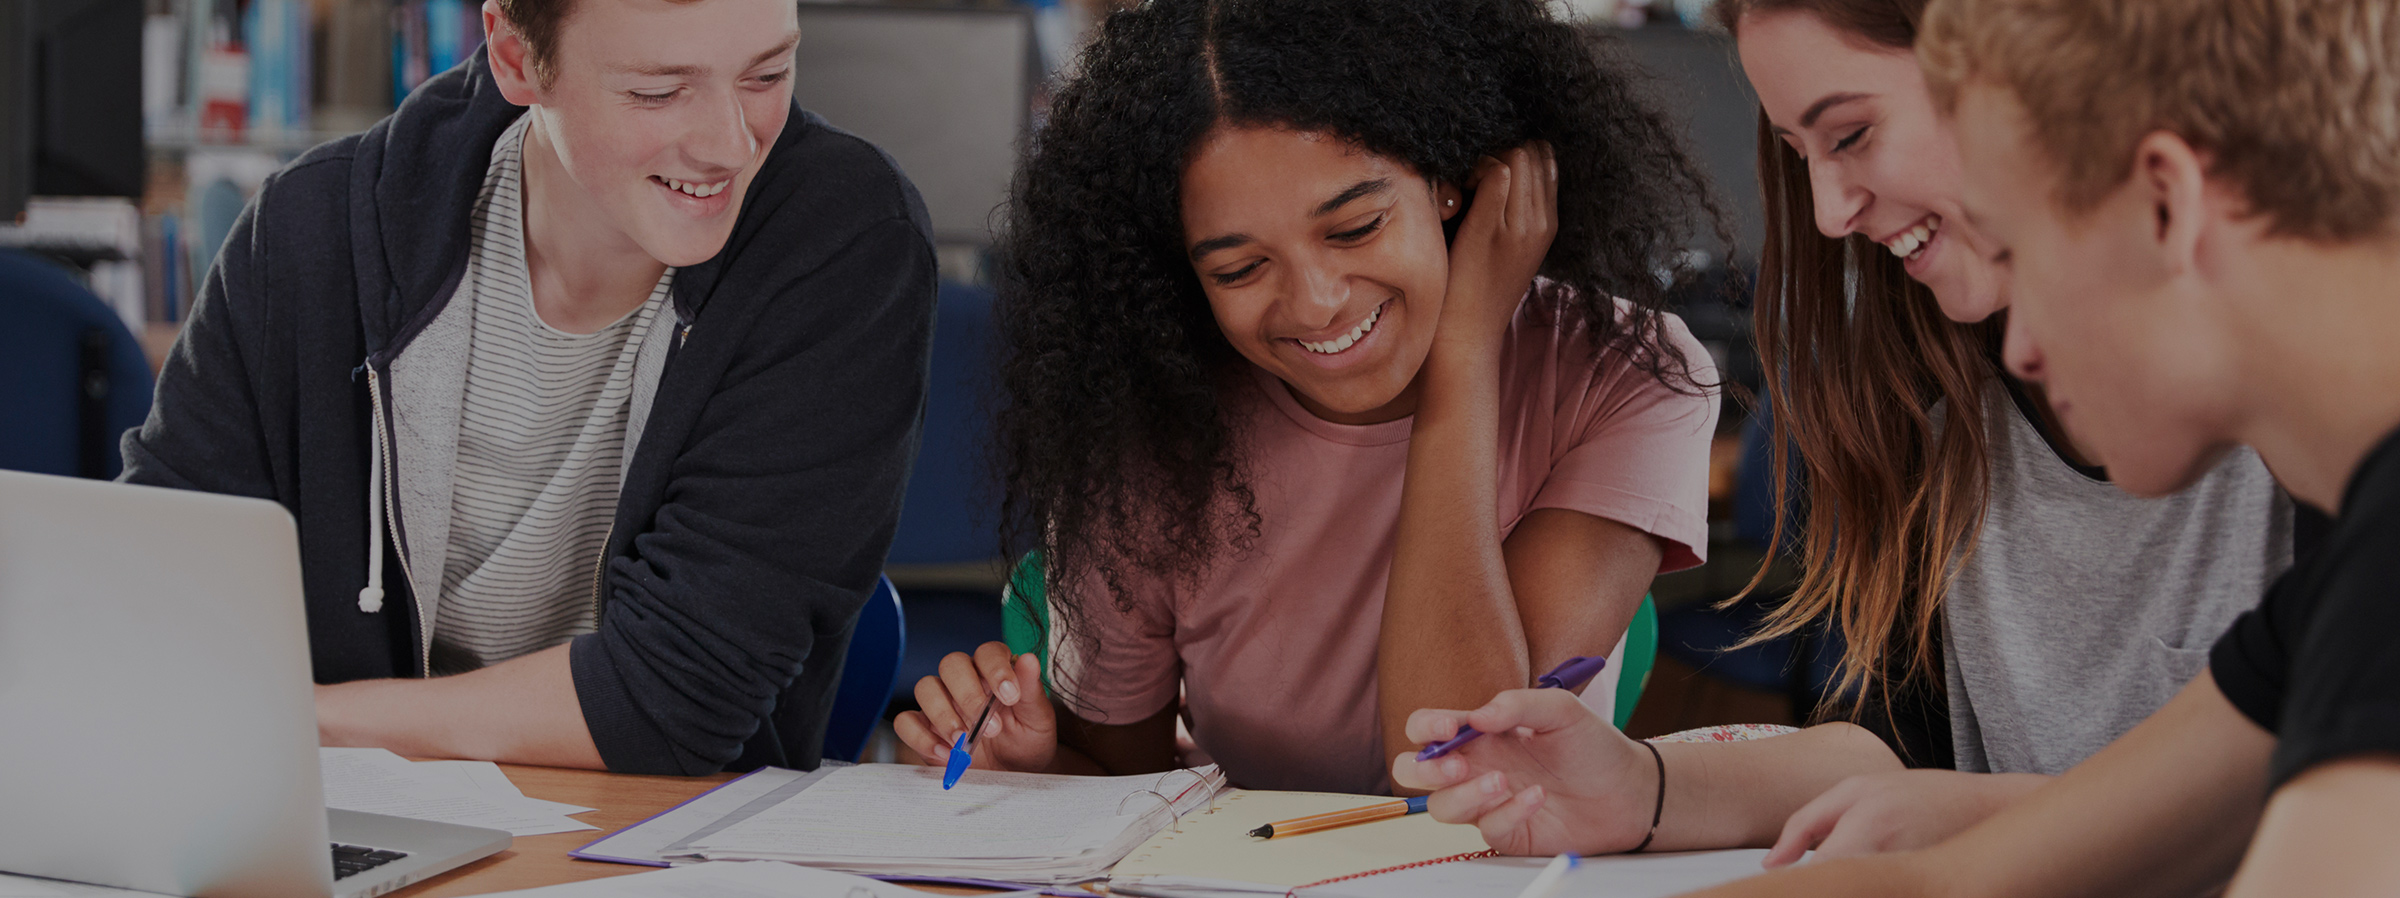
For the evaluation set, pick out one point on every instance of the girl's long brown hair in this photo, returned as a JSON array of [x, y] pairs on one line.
[[1856, 355]]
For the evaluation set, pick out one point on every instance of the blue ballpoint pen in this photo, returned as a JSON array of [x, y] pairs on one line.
[[1570, 675], [961, 752]]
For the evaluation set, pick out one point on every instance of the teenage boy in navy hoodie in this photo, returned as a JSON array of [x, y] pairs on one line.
[[592, 375], [2198, 202]]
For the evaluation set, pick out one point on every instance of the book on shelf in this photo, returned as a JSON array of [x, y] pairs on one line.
[[430, 37]]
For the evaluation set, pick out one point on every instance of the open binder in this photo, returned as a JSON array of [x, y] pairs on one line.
[[896, 821]]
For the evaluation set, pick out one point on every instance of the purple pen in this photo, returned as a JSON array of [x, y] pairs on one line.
[[1570, 675]]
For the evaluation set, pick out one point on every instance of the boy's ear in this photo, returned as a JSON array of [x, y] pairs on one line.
[[511, 59], [2174, 178]]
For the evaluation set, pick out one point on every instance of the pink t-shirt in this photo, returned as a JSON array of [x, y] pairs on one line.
[[1274, 648]]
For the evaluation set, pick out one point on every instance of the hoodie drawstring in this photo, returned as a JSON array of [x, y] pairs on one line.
[[370, 599]]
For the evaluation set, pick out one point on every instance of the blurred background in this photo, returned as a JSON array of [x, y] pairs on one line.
[[133, 131]]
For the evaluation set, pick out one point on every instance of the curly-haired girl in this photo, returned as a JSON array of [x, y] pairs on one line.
[[1338, 383]]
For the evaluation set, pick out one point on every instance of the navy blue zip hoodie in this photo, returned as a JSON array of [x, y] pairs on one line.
[[766, 486]]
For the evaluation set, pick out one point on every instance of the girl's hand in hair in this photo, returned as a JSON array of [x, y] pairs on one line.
[[1548, 776], [1500, 246], [1022, 732], [1897, 811]]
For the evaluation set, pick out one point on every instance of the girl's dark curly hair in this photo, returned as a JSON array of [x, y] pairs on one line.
[[1115, 450]]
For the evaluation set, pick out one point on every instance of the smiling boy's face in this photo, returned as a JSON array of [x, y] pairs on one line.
[[2106, 313], [664, 111]]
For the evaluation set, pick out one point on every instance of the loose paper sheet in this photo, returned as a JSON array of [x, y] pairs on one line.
[[379, 782], [486, 779]]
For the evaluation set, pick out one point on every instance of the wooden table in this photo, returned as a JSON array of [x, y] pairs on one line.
[[618, 801]]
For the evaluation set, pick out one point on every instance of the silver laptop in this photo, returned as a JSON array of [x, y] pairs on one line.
[[157, 722]]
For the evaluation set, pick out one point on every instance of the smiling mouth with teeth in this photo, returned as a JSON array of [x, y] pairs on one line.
[[694, 188], [1338, 344], [1911, 243]]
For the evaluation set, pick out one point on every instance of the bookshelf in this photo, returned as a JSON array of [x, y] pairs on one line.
[[233, 89]]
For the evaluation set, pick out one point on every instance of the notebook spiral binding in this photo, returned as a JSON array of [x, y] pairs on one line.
[[1469, 856], [1158, 791]]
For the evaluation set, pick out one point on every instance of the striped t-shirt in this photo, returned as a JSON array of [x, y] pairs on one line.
[[541, 440]]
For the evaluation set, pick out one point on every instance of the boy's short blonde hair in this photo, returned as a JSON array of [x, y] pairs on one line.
[[2296, 102]]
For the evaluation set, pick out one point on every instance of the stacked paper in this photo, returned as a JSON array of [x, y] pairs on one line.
[[474, 793], [890, 819]]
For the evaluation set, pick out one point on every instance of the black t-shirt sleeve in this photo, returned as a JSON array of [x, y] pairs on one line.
[[2251, 661], [2316, 663], [2344, 695]]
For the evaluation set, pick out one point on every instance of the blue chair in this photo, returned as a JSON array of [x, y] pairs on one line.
[[945, 518], [869, 675], [72, 378]]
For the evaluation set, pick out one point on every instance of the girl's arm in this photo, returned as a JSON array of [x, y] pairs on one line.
[[1553, 777], [1466, 616], [2164, 810]]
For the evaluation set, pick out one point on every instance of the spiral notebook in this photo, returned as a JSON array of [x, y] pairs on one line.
[[897, 820], [1212, 852]]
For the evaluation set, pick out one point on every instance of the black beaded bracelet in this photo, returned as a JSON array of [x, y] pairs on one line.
[[1660, 806]]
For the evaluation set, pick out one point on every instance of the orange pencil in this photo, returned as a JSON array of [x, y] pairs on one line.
[[1351, 817]]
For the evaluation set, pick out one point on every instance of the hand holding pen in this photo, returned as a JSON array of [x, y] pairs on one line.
[[993, 695], [1552, 778], [1570, 676]]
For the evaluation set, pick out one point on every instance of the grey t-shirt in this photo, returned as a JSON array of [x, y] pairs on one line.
[[2083, 609], [542, 433]]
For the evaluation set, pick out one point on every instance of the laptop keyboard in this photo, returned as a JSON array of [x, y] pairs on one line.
[[350, 860]]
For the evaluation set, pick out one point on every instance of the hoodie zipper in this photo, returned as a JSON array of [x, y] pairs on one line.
[[391, 515], [682, 334], [600, 565], [600, 569]]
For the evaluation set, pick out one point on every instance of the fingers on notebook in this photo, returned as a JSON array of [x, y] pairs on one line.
[[1800, 833]]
